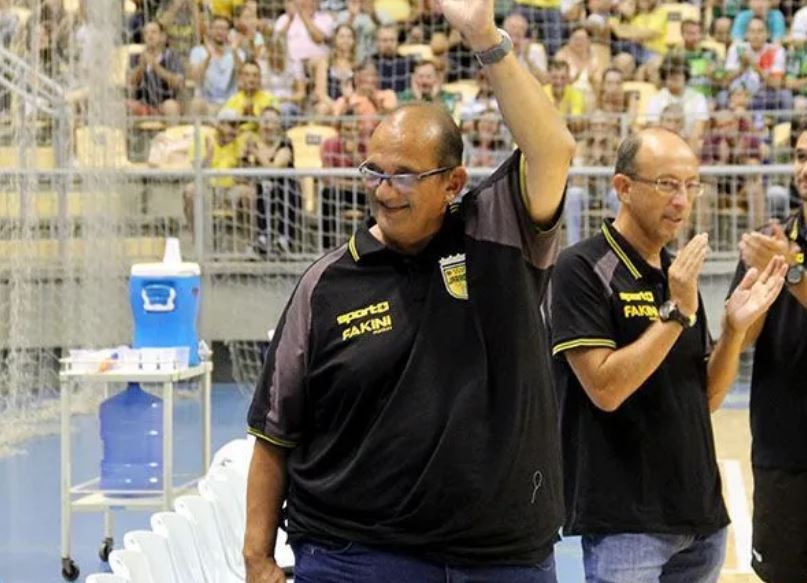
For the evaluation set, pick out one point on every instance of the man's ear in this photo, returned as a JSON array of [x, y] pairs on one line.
[[622, 184], [455, 183]]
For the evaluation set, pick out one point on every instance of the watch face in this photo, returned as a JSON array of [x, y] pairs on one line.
[[794, 274]]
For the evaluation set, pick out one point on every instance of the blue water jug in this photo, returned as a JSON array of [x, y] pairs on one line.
[[131, 433], [165, 302]]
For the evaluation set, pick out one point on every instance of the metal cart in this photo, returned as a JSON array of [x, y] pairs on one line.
[[87, 496]]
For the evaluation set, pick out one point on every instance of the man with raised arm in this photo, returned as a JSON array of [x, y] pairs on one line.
[[405, 412]]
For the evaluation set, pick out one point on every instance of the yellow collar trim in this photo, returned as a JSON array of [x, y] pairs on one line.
[[351, 246], [620, 253]]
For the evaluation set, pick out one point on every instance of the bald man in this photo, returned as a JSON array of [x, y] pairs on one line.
[[405, 412], [639, 375]]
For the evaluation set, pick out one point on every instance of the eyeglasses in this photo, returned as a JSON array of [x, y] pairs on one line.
[[404, 182], [670, 186]]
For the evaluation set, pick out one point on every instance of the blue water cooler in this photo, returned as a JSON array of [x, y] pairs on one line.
[[165, 302], [131, 433]]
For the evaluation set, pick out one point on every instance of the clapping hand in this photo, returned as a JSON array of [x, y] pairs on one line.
[[755, 294], [757, 249], [684, 271]]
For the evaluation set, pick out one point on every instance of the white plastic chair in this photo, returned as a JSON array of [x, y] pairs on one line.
[[236, 454], [181, 544], [155, 549], [131, 565], [105, 578], [227, 490], [199, 512], [284, 556]]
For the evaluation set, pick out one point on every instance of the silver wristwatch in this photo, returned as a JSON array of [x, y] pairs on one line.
[[497, 52], [670, 312]]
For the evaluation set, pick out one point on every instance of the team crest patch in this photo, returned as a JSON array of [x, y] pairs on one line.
[[453, 270]]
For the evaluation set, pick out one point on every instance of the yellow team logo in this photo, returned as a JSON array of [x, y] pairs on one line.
[[454, 276]]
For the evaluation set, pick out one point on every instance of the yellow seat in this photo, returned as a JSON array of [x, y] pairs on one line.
[[467, 88], [395, 10], [307, 143], [645, 91], [101, 147], [676, 14], [421, 52], [121, 62], [41, 158], [718, 48]]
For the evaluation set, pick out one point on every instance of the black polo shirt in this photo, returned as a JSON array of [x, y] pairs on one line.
[[779, 378], [415, 392], [650, 465]]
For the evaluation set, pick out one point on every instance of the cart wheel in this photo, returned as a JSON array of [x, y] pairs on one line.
[[106, 547], [69, 569]]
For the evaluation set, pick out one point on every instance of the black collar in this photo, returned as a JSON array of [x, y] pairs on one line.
[[632, 259]]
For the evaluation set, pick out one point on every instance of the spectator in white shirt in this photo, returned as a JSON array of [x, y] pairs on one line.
[[759, 67], [307, 29], [674, 74], [798, 29], [529, 52]]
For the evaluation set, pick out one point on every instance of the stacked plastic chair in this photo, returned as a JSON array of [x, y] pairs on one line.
[[201, 542]]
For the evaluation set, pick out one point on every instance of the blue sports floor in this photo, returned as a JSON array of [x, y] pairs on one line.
[[29, 494]]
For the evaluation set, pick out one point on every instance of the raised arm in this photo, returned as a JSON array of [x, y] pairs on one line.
[[537, 128]]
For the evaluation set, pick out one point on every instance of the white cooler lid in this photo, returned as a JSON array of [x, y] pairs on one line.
[[171, 265], [165, 269]]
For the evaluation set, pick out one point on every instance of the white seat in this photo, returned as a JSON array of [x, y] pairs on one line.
[[185, 556], [236, 454], [105, 578], [155, 549], [199, 512], [284, 556], [226, 488], [131, 565]]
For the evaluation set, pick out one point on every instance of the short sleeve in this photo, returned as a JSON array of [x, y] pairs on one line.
[[798, 30], [733, 58], [700, 109], [655, 105], [778, 25], [197, 56], [496, 212], [740, 24], [779, 61], [276, 414], [580, 306]]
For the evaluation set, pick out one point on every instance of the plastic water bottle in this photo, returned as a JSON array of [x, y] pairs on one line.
[[131, 432]]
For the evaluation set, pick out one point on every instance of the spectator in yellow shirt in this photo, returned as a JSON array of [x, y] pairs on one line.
[[569, 101], [250, 100], [641, 31], [223, 151]]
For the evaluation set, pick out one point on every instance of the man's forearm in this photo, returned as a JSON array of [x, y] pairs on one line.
[[538, 130], [266, 490], [613, 376], [723, 365]]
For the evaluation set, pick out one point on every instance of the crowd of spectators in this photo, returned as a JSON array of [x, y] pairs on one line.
[[728, 75]]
